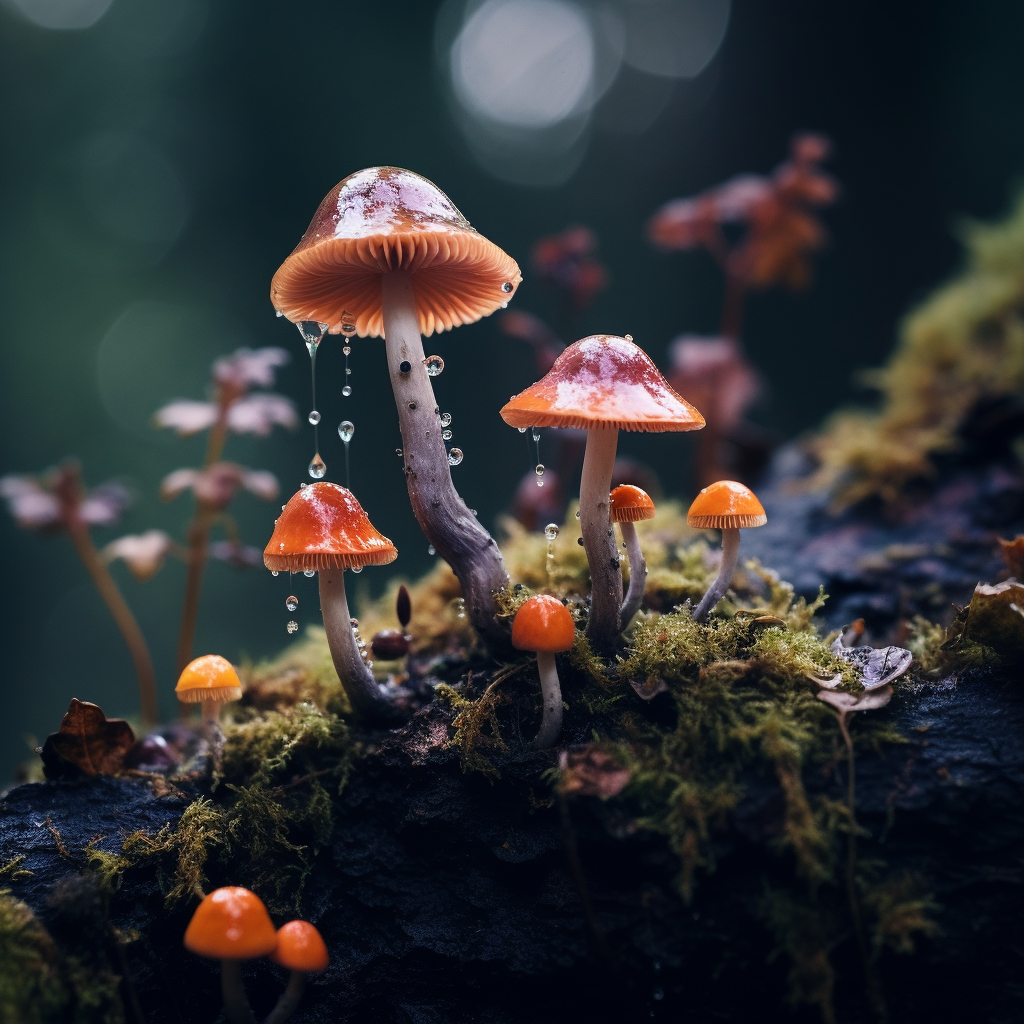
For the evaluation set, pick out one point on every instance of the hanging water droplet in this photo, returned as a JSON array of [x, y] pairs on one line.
[[431, 550], [317, 467], [312, 332], [346, 391], [274, 572], [579, 540], [504, 305], [303, 485], [348, 330], [357, 568], [309, 572], [629, 337], [434, 365], [522, 430], [346, 428], [279, 313], [551, 531], [540, 483], [314, 418], [399, 452], [446, 435], [291, 602], [507, 287], [539, 469], [577, 513], [346, 350], [459, 607], [292, 627], [536, 433], [454, 456], [446, 419]]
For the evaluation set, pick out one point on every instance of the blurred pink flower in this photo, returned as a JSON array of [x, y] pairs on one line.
[[257, 414], [33, 507], [216, 486], [143, 553], [45, 503], [236, 554], [186, 417], [545, 343], [246, 367], [566, 261], [713, 375]]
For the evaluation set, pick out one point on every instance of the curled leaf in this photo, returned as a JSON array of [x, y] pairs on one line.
[[87, 741], [591, 772], [876, 666], [847, 703], [649, 688]]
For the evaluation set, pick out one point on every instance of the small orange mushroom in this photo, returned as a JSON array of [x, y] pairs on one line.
[[210, 681], [302, 950], [730, 507], [231, 925], [543, 625], [628, 505]]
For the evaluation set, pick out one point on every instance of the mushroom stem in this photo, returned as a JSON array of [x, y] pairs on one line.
[[443, 516], [289, 1000], [236, 1005], [715, 593], [599, 537], [637, 574], [551, 691], [358, 682]]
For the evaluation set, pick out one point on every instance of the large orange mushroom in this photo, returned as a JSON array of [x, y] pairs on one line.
[[388, 253], [728, 506], [602, 384], [231, 925], [544, 625], [324, 528], [629, 505]]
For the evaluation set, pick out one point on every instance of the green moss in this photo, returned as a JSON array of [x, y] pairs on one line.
[[32, 989]]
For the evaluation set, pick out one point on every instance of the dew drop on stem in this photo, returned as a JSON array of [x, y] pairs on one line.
[[455, 456], [446, 419], [434, 365], [291, 602]]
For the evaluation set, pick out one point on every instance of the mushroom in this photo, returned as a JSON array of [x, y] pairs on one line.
[[629, 505], [388, 254], [603, 384], [210, 681], [543, 625], [231, 925], [730, 507], [302, 950], [325, 529]]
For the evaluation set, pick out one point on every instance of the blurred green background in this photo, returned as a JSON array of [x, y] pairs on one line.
[[161, 157]]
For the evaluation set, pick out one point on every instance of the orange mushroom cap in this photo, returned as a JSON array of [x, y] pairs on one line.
[[300, 947], [383, 219], [726, 505], [324, 527], [543, 623], [210, 677], [630, 504], [602, 381], [231, 924]]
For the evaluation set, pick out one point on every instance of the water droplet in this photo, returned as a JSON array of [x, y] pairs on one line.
[[279, 313], [346, 350], [446, 419], [348, 330], [314, 418], [504, 305], [303, 485], [312, 332], [579, 540], [346, 428], [522, 430], [474, 511], [431, 550], [459, 607], [317, 467], [369, 664], [291, 603], [399, 452], [346, 391], [629, 337], [551, 531], [446, 435], [659, 993], [274, 572], [540, 483], [539, 469], [536, 433], [309, 572], [282, 508], [577, 513], [507, 287], [454, 456], [292, 627], [348, 372], [434, 365], [357, 568]]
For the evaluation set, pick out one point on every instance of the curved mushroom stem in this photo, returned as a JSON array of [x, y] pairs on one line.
[[730, 556], [360, 686], [599, 537], [637, 574], [289, 1000], [236, 1005], [443, 516], [551, 722]]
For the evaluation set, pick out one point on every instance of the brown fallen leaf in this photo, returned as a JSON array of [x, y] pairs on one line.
[[1013, 555], [88, 741], [591, 772]]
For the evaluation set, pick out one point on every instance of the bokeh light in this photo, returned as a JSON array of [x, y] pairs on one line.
[[61, 14], [674, 38]]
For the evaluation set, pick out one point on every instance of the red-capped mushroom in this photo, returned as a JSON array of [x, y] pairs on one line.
[[730, 507], [325, 529], [603, 384], [544, 625], [301, 949], [629, 505], [388, 253]]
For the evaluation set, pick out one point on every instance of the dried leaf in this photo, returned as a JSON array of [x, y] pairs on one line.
[[87, 740], [877, 666], [846, 703], [649, 688], [591, 772], [1013, 555]]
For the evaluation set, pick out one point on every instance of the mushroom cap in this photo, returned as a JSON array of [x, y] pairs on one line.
[[382, 219], [300, 947], [210, 677], [726, 505], [543, 623], [324, 527], [602, 381], [630, 504], [231, 924]]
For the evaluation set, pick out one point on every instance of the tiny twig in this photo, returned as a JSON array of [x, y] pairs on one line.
[[49, 825]]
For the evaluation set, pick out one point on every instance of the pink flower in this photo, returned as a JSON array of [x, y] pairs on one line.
[[713, 375], [236, 554], [143, 553], [33, 507], [48, 502], [186, 417], [258, 413], [246, 368], [216, 485]]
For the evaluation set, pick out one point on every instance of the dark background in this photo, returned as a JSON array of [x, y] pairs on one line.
[[259, 108]]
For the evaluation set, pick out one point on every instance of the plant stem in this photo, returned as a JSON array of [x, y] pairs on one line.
[[715, 593], [198, 539], [236, 1005], [603, 625], [78, 531], [637, 574], [551, 691], [289, 999]]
